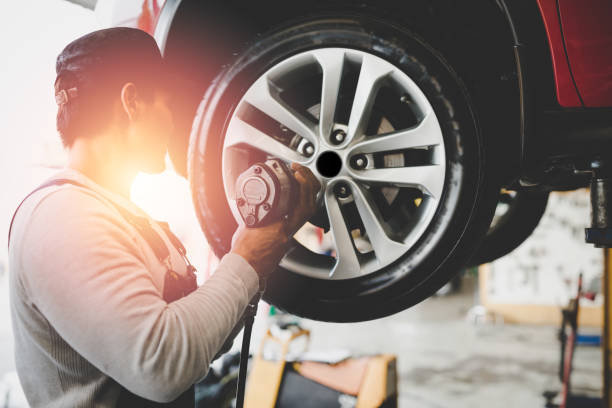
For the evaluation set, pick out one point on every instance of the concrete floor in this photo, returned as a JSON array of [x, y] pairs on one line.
[[443, 360], [446, 361]]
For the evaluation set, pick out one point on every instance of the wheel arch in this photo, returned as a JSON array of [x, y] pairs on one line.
[[468, 34]]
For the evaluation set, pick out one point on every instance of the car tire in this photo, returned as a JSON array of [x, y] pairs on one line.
[[462, 215], [513, 227]]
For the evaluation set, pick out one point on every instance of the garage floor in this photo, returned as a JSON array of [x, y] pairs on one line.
[[446, 361]]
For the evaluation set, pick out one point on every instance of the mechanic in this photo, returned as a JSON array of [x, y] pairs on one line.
[[105, 308]]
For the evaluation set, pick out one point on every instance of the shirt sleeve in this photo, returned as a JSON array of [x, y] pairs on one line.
[[86, 275]]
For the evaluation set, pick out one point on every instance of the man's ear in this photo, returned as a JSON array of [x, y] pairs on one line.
[[128, 100]]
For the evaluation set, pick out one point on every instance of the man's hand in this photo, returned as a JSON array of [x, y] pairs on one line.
[[264, 247], [309, 186], [261, 247]]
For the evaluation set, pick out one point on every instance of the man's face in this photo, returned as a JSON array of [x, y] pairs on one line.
[[149, 133]]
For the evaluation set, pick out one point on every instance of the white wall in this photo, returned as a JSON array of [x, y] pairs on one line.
[[544, 270]]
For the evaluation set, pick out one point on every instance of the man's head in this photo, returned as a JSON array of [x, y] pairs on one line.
[[112, 81]]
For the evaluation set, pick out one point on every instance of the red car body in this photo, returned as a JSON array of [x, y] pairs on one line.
[[580, 39]]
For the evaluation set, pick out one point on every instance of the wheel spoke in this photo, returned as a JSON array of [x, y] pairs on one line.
[[370, 77], [241, 133], [425, 134], [261, 96], [386, 249], [332, 65], [347, 264], [429, 178]]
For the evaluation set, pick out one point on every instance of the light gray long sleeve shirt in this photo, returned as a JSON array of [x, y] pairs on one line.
[[87, 306]]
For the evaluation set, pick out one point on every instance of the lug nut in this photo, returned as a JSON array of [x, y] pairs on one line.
[[266, 207], [257, 170], [308, 149], [240, 202], [342, 190], [359, 161], [338, 136]]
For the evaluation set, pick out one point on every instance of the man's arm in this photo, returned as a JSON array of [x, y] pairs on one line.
[[86, 275]]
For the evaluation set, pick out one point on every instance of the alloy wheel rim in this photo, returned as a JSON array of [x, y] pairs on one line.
[[322, 140]]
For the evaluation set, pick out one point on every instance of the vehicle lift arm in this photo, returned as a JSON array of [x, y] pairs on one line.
[[600, 234]]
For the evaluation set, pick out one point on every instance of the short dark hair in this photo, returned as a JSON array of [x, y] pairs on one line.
[[91, 72]]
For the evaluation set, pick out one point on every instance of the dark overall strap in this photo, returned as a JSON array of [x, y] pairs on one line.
[[157, 244]]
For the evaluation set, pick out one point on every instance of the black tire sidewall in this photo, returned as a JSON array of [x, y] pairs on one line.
[[514, 227], [463, 209]]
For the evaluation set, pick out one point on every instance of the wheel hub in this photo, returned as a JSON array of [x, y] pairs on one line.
[[329, 164]]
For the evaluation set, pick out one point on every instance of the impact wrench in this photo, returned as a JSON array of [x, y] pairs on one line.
[[263, 194]]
